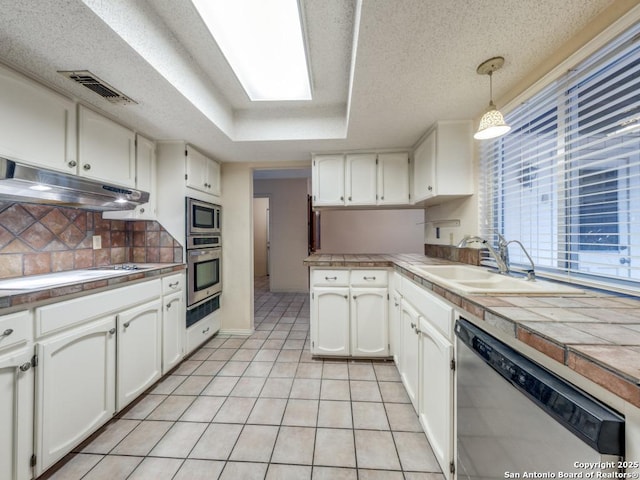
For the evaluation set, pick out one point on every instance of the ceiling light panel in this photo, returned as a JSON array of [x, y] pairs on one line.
[[263, 42]]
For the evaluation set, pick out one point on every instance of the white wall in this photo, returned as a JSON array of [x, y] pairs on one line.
[[260, 236], [288, 232], [237, 249], [372, 231]]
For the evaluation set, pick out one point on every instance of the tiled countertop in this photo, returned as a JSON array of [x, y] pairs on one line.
[[595, 334], [15, 299]]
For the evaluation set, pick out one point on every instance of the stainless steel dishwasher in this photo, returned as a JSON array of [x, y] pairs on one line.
[[514, 417]]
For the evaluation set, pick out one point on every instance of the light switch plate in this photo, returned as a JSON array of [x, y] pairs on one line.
[[97, 242]]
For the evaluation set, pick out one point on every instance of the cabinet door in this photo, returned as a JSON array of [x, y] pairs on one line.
[[173, 326], [393, 179], [146, 176], [139, 351], [436, 393], [16, 414], [360, 179], [213, 177], [75, 392], [38, 126], [328, 180], [330, 321], [409, 357], [145, 180], [395, 316], [424, 165], [369, 322], [106, 150], [203, 174]]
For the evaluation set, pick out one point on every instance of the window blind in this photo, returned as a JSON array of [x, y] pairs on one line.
[[566, 180]]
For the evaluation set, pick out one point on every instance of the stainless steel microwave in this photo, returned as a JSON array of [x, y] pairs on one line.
[[203, 218]]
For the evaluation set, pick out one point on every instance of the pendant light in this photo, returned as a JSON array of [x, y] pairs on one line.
[[492, 124]]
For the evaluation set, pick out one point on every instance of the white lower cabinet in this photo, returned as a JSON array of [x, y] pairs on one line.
[[16, 414], [349, 313], [173, 324], [139, 359], [76, 388], [436, 409], [369, 323], [96, 354], [395, 314], [330, 321], [426, 368], [410, 352]]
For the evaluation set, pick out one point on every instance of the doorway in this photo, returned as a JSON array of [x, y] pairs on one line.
[[261, 240]]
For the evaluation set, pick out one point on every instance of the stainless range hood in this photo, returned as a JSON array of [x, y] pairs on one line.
[[24, 183]]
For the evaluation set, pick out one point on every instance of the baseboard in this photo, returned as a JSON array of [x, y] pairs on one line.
[[236, 331]]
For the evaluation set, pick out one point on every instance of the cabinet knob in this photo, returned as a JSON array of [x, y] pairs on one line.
[[382, 197], [72, 163], [7, 332], [174, 285], [126, 325], [349, 198], [112, 331], [205, 330], [430, 188], [25, 366], [413, 325], [346, 296], [418, 332], [342, 198], [330, 278], [142, 210], [368, 278], [86, 166]]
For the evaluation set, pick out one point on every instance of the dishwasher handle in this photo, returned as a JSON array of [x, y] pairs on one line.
[[594, 423]]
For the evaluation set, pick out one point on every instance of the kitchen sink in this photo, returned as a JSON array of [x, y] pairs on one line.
[[471, 280]]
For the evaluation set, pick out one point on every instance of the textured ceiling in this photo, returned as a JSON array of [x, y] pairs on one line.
[[382, 70]]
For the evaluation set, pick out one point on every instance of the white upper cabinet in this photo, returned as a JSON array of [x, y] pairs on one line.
[[203, 173], [106, 149], [145, 181], [442, 166], [38, 126], [360, 179], [393, 178], [327, 179]]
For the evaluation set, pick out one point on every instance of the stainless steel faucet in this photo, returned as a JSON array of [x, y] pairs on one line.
[[503, 267], [501, 256], [531, 273]]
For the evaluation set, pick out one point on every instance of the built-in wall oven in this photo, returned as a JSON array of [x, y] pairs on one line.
[[204, 259]]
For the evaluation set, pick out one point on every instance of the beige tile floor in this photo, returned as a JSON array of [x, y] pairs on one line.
[[260, 407]]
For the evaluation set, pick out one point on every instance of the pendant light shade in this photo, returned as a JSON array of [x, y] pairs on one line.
[[492, 124]]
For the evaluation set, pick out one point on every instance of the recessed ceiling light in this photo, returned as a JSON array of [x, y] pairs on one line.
[[262, 41]]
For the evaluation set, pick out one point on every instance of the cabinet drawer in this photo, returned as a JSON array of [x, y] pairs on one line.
[[58, 316], [173, 283], [369, 278], [430, 306], [15, 329], [200, 332], [328, 278]]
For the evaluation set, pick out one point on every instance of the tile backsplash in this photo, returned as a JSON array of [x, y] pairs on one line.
[[471, 256], [36, 239]]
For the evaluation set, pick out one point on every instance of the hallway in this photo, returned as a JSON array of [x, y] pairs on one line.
[[260, 407]]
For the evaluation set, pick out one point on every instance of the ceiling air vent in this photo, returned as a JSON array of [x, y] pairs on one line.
[[102, 88]]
